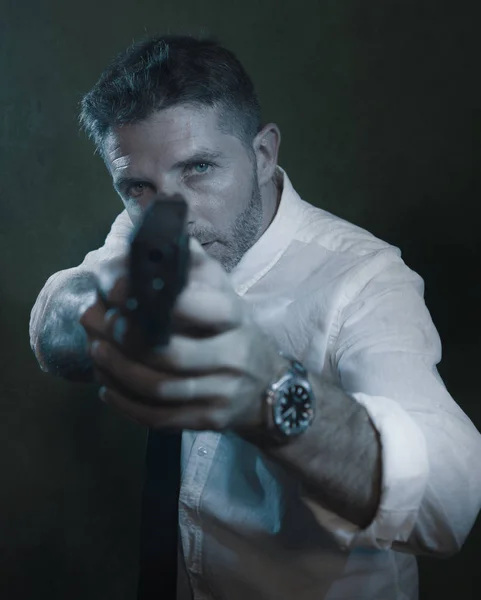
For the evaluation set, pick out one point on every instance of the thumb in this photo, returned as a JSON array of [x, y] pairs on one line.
[[113, 282], [198, 255]]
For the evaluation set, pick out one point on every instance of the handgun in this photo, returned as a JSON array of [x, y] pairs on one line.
[[158, 268]]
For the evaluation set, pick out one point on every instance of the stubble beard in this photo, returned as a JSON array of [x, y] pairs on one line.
[[246, 229]]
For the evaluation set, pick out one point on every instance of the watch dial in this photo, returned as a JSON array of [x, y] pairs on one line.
[[293, 410]]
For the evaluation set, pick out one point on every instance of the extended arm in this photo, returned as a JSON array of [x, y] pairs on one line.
[[338, 460], [56, 336], [391, 460]]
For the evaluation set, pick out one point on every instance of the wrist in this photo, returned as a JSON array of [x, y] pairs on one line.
[[287, 402], [257, 431]]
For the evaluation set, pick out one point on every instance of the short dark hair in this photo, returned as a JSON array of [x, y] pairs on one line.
[[169, 70]]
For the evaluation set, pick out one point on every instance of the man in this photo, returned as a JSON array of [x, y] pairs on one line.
[[327, 488]]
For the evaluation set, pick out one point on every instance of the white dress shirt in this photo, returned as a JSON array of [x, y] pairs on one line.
[[345, 304]]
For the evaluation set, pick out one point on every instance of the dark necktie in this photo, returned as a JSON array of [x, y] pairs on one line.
[[159, 522]]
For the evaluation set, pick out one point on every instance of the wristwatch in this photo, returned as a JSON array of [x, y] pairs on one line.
[[290, 402]]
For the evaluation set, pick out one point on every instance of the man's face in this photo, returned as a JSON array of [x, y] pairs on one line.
[[182, 150]]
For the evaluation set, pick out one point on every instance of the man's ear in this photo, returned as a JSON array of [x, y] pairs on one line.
[[266, 148]]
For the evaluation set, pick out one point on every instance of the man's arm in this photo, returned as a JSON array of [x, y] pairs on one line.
[[338, 460], [391, 461], [57, 338]]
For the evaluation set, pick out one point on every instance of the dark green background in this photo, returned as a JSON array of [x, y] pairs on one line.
[[379, 105]]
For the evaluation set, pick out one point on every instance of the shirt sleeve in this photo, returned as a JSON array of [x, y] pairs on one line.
[[116, 243], [385, 358]]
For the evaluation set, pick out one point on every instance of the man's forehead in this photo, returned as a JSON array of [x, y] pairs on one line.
[[178, 132], [177, 121]]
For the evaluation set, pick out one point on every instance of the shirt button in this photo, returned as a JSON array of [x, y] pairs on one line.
[[202, 451]]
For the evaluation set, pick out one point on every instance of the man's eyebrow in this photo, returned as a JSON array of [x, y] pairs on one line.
[[123, 182], [200, 155]]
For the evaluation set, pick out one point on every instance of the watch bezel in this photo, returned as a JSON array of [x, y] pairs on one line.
[[277, 390]]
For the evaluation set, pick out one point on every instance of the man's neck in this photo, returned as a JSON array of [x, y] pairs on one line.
[[271, 204]]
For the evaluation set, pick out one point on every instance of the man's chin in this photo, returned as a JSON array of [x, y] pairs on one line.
[[226, 255]]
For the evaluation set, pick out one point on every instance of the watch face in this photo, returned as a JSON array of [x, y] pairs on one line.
[[293, 411]]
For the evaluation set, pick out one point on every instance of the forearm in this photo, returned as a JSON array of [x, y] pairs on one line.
[[338, 459], [58, 339]]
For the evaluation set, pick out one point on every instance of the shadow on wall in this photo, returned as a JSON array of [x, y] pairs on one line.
[[71, 480]]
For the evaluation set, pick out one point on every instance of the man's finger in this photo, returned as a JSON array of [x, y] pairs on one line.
[[198, 255], [129, 375], [182, 357], [205, 269], [188, 356], [182, 416], [113, 282], [186, 352], [213, 309], [93, 319]]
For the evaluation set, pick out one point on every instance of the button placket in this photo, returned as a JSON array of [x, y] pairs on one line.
[[195, 477]]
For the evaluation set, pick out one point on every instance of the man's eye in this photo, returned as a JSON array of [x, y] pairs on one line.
[[136, 190], [199, 168]]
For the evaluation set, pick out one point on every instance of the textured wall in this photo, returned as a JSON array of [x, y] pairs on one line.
[[379, 106]]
